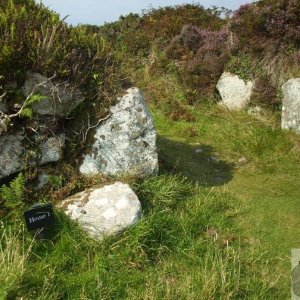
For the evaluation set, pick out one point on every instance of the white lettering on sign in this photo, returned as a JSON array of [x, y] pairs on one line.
[[34, 219]]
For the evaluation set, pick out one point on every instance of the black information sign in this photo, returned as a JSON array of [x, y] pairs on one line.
[[39, 217]]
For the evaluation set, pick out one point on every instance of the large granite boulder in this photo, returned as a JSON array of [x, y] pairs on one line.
[[290, 118], [126, 142], [235, 92], [15, 156], [59, 98], [104, 211]]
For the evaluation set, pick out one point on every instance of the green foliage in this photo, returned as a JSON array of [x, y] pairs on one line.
[[34, 99], [243, 66], [27, 111], [167, 255], [157, 25], [14, 252], [34, 38], [56, 181], [13, 196]]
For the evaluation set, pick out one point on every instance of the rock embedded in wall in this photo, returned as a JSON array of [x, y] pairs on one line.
[[59, 99], [126, 142], [12, 154], [235, 92], [15, 156], [52, 149], [104, 211], [290, 118]]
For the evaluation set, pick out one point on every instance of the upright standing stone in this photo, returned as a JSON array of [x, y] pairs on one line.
[[126, 142], [235, 92], [290, 118]]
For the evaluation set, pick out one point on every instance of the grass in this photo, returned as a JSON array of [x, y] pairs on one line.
[[211, 228], [265, 186]]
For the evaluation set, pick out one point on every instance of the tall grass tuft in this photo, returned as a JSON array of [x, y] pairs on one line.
[[14, 253]]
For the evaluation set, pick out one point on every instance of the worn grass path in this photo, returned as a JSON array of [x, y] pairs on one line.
[[265, 183]]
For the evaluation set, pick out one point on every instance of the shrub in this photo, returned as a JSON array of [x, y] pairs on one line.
[[135, 34], [243, 66], [265, 93], [34, 38], [202, 55], [277, 20]]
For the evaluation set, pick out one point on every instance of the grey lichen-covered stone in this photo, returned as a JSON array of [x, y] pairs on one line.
[[104, 211], [12, 154], [126, 142], [42, 180], [52, 149], [235, 93], [60, 98], [15, 157], [290, 118]]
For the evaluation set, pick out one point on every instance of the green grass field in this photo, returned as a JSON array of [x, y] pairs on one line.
[[213, 227]]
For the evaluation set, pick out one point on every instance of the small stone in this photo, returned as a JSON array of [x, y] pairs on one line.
[[3, 108], [43, 180], [214, 159], [242, 161], [12, 152], [15, 157], [17, 106], [198, 150], [51, 149]]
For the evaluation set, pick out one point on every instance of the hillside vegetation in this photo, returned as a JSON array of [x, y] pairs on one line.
[[222, 216]]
